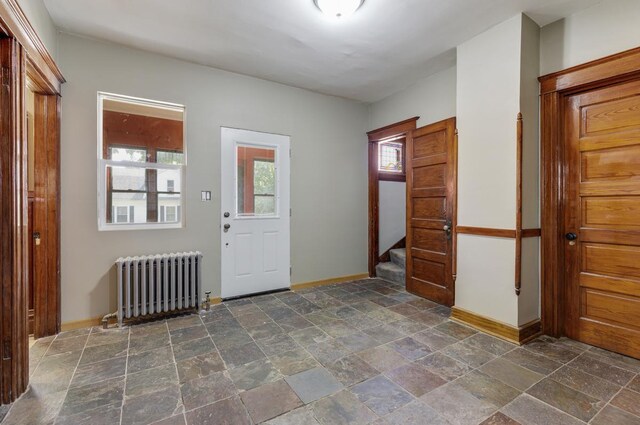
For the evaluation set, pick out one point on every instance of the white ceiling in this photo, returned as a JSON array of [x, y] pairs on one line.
[[384, 47]]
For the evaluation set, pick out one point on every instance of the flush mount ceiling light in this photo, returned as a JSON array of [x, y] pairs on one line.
[[338, 8]]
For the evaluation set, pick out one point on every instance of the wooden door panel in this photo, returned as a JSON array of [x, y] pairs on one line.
[[618, 163], [429, 208], [611, 212], [603, 209], [613, 308], [430, 176], [431, 171], [613, 115]]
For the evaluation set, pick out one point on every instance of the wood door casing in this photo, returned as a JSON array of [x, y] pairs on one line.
[[431, 204], [602, 207]]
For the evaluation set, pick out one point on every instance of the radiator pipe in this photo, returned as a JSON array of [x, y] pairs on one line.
[[105, 319], [207, 301]]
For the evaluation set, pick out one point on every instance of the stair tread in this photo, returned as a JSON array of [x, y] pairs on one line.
[[390, 266], [399, 251]]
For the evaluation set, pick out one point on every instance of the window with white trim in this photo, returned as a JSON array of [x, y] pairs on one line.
[[142, 160]]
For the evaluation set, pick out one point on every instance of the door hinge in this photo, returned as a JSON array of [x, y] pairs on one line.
[[290, 270], [289, 152], [290, 212]]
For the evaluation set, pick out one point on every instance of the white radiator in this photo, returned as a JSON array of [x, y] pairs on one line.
[[158, 283]]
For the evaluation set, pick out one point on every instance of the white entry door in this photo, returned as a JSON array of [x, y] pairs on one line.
[[255, 212]]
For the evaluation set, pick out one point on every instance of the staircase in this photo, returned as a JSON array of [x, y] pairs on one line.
[[394, 270]]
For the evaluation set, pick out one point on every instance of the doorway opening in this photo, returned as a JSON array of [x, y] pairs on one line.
[[387, 199]]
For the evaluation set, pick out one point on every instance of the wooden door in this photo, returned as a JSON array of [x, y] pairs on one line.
[[45, 229], [431, 211], [602, 218]]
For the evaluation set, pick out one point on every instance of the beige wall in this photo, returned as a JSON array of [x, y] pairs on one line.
[[609, 27], [432, 99], [38, 15], [497, 78], [328, 173]]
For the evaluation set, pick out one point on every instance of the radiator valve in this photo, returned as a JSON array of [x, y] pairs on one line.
[[207, 301]]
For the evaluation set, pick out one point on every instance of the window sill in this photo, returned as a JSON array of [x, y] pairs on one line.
[[125, 227], [392, 177]]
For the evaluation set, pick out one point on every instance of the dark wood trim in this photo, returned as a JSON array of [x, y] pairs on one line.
[[40, 65], [517, 335], [402, 128], [497, 233], [554, 89], [391, 177], [397, 129], [486, 231], [518, 268], [614, 68], [386, 256], [46, 215], [14, 265]]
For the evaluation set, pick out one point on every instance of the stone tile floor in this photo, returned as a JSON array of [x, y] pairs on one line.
[[355, 353]]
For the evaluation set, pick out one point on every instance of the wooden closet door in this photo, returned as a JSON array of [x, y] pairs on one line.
[[602, 218], [431, 196]]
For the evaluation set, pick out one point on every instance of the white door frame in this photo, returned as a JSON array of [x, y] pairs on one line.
[[255, 250]]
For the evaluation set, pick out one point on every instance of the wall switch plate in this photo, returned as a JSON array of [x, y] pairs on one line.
[[205, 195]]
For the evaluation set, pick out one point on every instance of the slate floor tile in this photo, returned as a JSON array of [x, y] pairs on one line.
[[511, 374], [351, 370], [415, 379], [313, 384], [192, 348], [499, 418], [342, 408], [530, 411], [415, 413], [535, 362], [486, 388], [152, 407], [434, 340], [276, 344], [612, 415], [299, 416], [200, 366], [202, 391], [100, 371], [149, 359], [444, 366], [103, 352], [381, 395], [293, 361], [627, 400], [455, 330], [254, 374], [457, 405], [384, 333], [465, 353], [599, 366], [230, 411], [328, 351], [92, 396], [150, 380], [265, 330], [558, 352], [585, 383], [270, 400], [490, 344], [241, 355], [567, 399], [309, 336], [410, 349], [34, 408], [383, 358], [104, 415], [178, 336], [358, 341]]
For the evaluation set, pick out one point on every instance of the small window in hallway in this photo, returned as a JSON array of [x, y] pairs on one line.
[[142, 163], [390, 157]]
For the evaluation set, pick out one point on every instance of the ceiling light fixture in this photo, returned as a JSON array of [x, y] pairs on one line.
[[338, 8]]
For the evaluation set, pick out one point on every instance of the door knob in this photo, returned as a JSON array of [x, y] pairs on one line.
[[571, 236], [226, 227], [447, 229]]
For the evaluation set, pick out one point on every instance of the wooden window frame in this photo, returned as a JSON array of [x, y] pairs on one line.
[[399, 129], [554, 89]]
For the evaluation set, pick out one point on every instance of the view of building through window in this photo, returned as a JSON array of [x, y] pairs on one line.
[[143, 159]]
